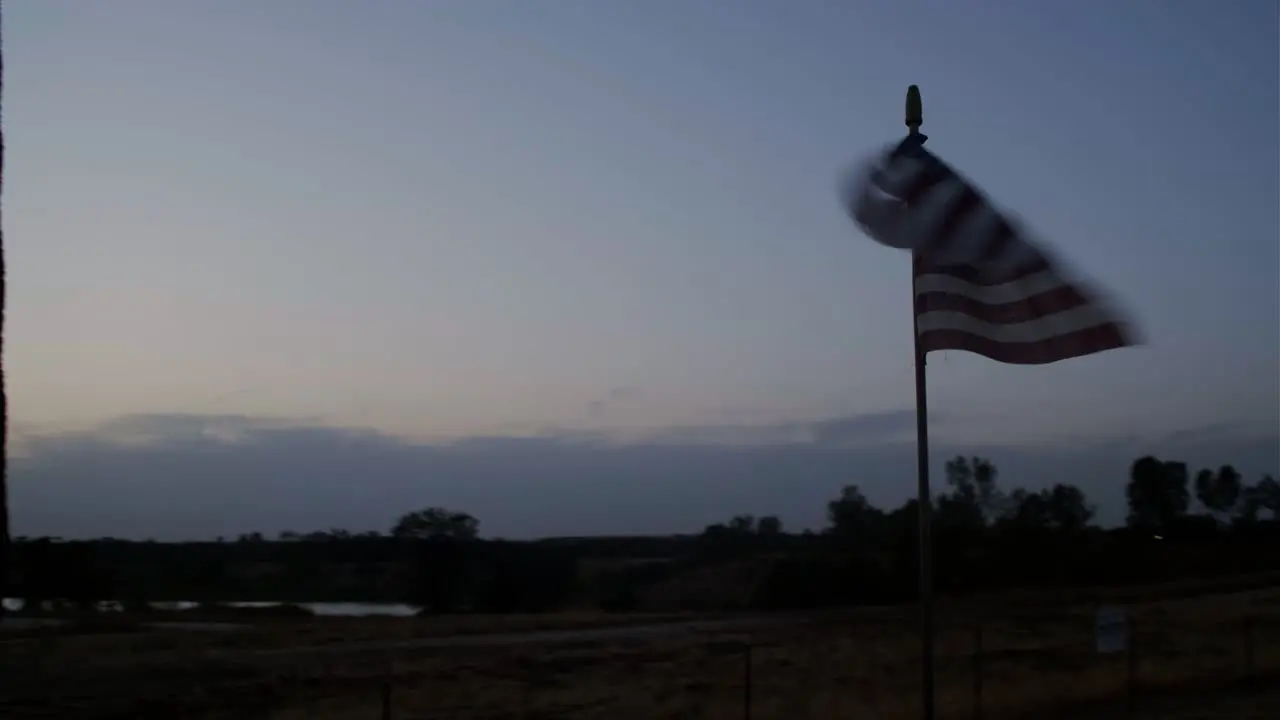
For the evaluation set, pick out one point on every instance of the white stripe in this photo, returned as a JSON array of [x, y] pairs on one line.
[[920, 224], [873, 203], [970, 240], [894, 175], [1014, 291], [1033, 331], [1045, 328], [967, 243]]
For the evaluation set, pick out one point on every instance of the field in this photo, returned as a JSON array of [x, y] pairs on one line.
[[1209, 656]]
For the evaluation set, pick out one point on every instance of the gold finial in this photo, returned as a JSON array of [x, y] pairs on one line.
[[915, 109]]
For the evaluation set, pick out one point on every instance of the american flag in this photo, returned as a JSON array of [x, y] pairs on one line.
[[981, 284]]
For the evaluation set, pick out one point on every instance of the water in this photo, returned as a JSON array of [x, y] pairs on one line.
[[333, 609]]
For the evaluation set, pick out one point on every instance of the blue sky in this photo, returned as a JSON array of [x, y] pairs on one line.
[[543, 219]]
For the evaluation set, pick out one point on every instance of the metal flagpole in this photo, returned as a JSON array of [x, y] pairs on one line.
[[5, 557], [915, 118]]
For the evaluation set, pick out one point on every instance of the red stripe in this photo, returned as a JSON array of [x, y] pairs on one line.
[[1052, 302], [933, 174], [1003, 239], [957, 211], [1062, 347]]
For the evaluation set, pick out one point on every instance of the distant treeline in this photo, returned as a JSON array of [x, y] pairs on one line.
[[985, 539]]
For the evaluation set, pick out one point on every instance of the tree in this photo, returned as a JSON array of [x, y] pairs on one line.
[[1061, 508], [973, 487], [1219, 492], [1068, 509], [1268, 493], [436, 522], [960, 477], [850, 507], [974, 498], [1157, 493], [1205, 488], [1263, 496], [769, 526], [1026, 510], [853, 519]]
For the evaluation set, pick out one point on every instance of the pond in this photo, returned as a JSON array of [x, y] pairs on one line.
[[321, 609]]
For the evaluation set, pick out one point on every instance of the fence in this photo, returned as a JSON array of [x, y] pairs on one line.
[[1008, 669], [849, 665]]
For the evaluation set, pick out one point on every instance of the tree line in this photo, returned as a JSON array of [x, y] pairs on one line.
[[1178, 525]]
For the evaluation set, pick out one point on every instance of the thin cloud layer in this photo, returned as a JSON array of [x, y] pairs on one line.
[[205, 476]]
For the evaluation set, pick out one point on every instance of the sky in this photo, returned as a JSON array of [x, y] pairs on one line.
[[582, 266]]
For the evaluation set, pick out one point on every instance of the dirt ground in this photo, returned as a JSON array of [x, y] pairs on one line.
[[1194, 658]]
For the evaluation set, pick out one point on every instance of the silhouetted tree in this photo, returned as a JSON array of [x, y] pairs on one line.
[[1157, 493], [1265, 495], [715, 530], [1026, 510], [974, 500], [1219, 492], [769, 526], [985, 541], [435, 522], [1268, 493], [852, 518], [1068, 509]]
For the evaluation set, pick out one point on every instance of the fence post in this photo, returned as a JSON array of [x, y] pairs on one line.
[[746, 682], [977, 671], [386, 698], [385, 687], [526, 691], [1248, 646], [1133, 667]]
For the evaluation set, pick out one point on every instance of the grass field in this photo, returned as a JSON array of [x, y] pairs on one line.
[[1197, 657]]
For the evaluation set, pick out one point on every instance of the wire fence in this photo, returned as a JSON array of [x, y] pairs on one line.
[[847, 665], [991, 669]]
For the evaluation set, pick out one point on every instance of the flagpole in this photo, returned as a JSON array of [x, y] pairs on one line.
[[915, 118]]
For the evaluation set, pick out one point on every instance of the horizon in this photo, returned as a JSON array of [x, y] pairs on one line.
[[587, 267], [227, 476]]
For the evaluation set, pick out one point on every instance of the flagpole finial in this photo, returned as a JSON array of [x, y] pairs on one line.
[[915, 109]]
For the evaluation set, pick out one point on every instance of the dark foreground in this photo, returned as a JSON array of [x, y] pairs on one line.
[[1210, 657]]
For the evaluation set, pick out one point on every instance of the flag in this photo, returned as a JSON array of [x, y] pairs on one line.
[[981, 284]]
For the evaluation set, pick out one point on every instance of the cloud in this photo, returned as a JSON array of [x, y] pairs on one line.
[[204, 476], [870, 426], [1211, 433], [596, 409], [842, 431]]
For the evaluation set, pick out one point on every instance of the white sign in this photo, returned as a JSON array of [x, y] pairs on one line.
[[1112, 630]]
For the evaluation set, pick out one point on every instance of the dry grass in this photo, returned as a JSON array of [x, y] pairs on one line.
[[260, 633], [326, 631], [850, 664]]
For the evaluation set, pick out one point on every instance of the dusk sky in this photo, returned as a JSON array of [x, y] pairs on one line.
[[312, 263]]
